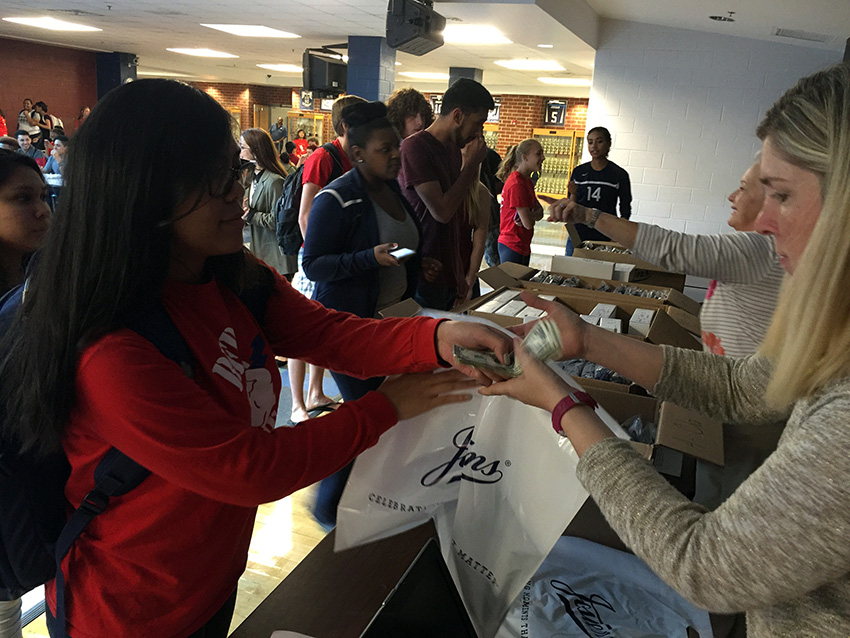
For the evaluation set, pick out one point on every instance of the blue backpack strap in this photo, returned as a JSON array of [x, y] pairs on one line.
[[117, 474]]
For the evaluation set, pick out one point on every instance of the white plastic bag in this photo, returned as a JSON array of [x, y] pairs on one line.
[[585, 589], [498, 481]]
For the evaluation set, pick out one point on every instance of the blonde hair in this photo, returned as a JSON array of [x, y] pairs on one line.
[[809, 338], [472, 201], [513, 156]]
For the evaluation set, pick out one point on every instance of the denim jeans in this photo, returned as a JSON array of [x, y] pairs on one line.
[[507, 254]]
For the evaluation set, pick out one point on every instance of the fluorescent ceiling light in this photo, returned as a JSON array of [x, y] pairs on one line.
[[565, 81], [530, 65], [422, 75], [51, 23], [282, 68], [398, 63], [251, 30], [204, 53], [473, 34], [545, 46], [162, 74]]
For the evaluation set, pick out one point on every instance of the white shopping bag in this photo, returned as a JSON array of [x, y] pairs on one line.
[[498, 481], [585, 589]]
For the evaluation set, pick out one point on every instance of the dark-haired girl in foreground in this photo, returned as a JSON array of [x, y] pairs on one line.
[[355, 223], [139, 225]]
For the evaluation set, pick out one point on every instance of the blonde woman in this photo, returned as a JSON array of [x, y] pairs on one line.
[[778, 547], [520, 208]]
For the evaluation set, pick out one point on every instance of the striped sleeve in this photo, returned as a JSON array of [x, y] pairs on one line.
[[741, 258]]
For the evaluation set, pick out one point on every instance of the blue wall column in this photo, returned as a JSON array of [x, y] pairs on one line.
[[113, 70], [457, 72], [371, 68]]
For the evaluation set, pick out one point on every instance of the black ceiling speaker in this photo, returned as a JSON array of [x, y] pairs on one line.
[[414, 27]]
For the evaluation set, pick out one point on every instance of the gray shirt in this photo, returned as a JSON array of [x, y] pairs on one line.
[[392, 280], [779, 547]]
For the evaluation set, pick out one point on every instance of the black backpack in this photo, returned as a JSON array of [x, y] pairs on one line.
[[288, 205], [35, 532]]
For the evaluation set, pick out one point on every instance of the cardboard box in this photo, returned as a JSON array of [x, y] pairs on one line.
[[685, 319], [663, 330], [513, 275], [644, 272], [584, 267]]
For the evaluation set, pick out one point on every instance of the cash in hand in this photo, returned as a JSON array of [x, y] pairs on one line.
[[543, 343]]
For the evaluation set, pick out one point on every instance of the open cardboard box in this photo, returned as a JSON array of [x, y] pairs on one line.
[[663, 329], [643, 271], [516, 275], [682, 437]]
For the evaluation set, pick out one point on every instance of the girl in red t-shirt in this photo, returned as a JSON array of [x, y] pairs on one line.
[[520, 208]]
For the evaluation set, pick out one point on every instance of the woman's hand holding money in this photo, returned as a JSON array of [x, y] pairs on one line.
[[572, 329], [636, 360], [538, 385]]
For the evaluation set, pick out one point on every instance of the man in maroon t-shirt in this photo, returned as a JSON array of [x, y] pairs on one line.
[[438, 165]]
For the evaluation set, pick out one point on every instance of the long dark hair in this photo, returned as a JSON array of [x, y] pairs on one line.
[[262, 148], [107, 256]]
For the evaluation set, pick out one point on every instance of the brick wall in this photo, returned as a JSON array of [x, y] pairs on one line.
[[521, 114], [65, 79], [243, 97]]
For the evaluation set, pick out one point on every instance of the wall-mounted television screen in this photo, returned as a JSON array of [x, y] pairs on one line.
[[323, 74]]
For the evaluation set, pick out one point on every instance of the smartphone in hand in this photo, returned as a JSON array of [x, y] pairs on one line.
[[402, 253]]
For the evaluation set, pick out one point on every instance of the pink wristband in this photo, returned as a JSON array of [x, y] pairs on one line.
[[568, 403]]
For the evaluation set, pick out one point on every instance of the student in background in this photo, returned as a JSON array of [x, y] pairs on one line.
[[56, 161], [409, 112], [264, 190], [437, 167], [600, 184], [24, 220], [318, 170], [27, 147], [356, 223], [520, 208], [300, 142]]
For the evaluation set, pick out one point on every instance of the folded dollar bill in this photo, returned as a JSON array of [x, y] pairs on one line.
[[543, 342]]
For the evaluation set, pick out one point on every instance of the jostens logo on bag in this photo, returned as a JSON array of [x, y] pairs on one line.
[[465, 465], [584, 610]]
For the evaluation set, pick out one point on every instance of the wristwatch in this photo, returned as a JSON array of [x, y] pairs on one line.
[[568, 403], [593, 218]]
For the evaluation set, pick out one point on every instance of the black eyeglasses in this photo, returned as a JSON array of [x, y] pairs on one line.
[[222, 185]]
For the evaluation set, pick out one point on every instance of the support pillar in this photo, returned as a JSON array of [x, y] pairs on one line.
[[371, 68]]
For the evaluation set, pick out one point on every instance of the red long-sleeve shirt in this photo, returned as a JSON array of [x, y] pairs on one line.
[[161, 560]]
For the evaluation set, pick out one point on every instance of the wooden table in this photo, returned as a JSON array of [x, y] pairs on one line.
[[335, 595]]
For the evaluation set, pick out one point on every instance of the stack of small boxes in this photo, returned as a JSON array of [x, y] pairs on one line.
[[604, 316], [509, 304]]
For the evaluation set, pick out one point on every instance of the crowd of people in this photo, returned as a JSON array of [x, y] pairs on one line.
[[398, 206]]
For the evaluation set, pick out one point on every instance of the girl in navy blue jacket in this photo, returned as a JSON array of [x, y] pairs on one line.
[[357, 222]]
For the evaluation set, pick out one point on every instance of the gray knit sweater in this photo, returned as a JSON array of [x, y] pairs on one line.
[[779, 547]]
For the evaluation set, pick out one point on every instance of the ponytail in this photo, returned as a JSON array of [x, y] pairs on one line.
[[513, 155], [508, 164]]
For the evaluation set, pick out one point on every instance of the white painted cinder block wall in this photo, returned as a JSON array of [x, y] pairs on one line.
[[682, 107]]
